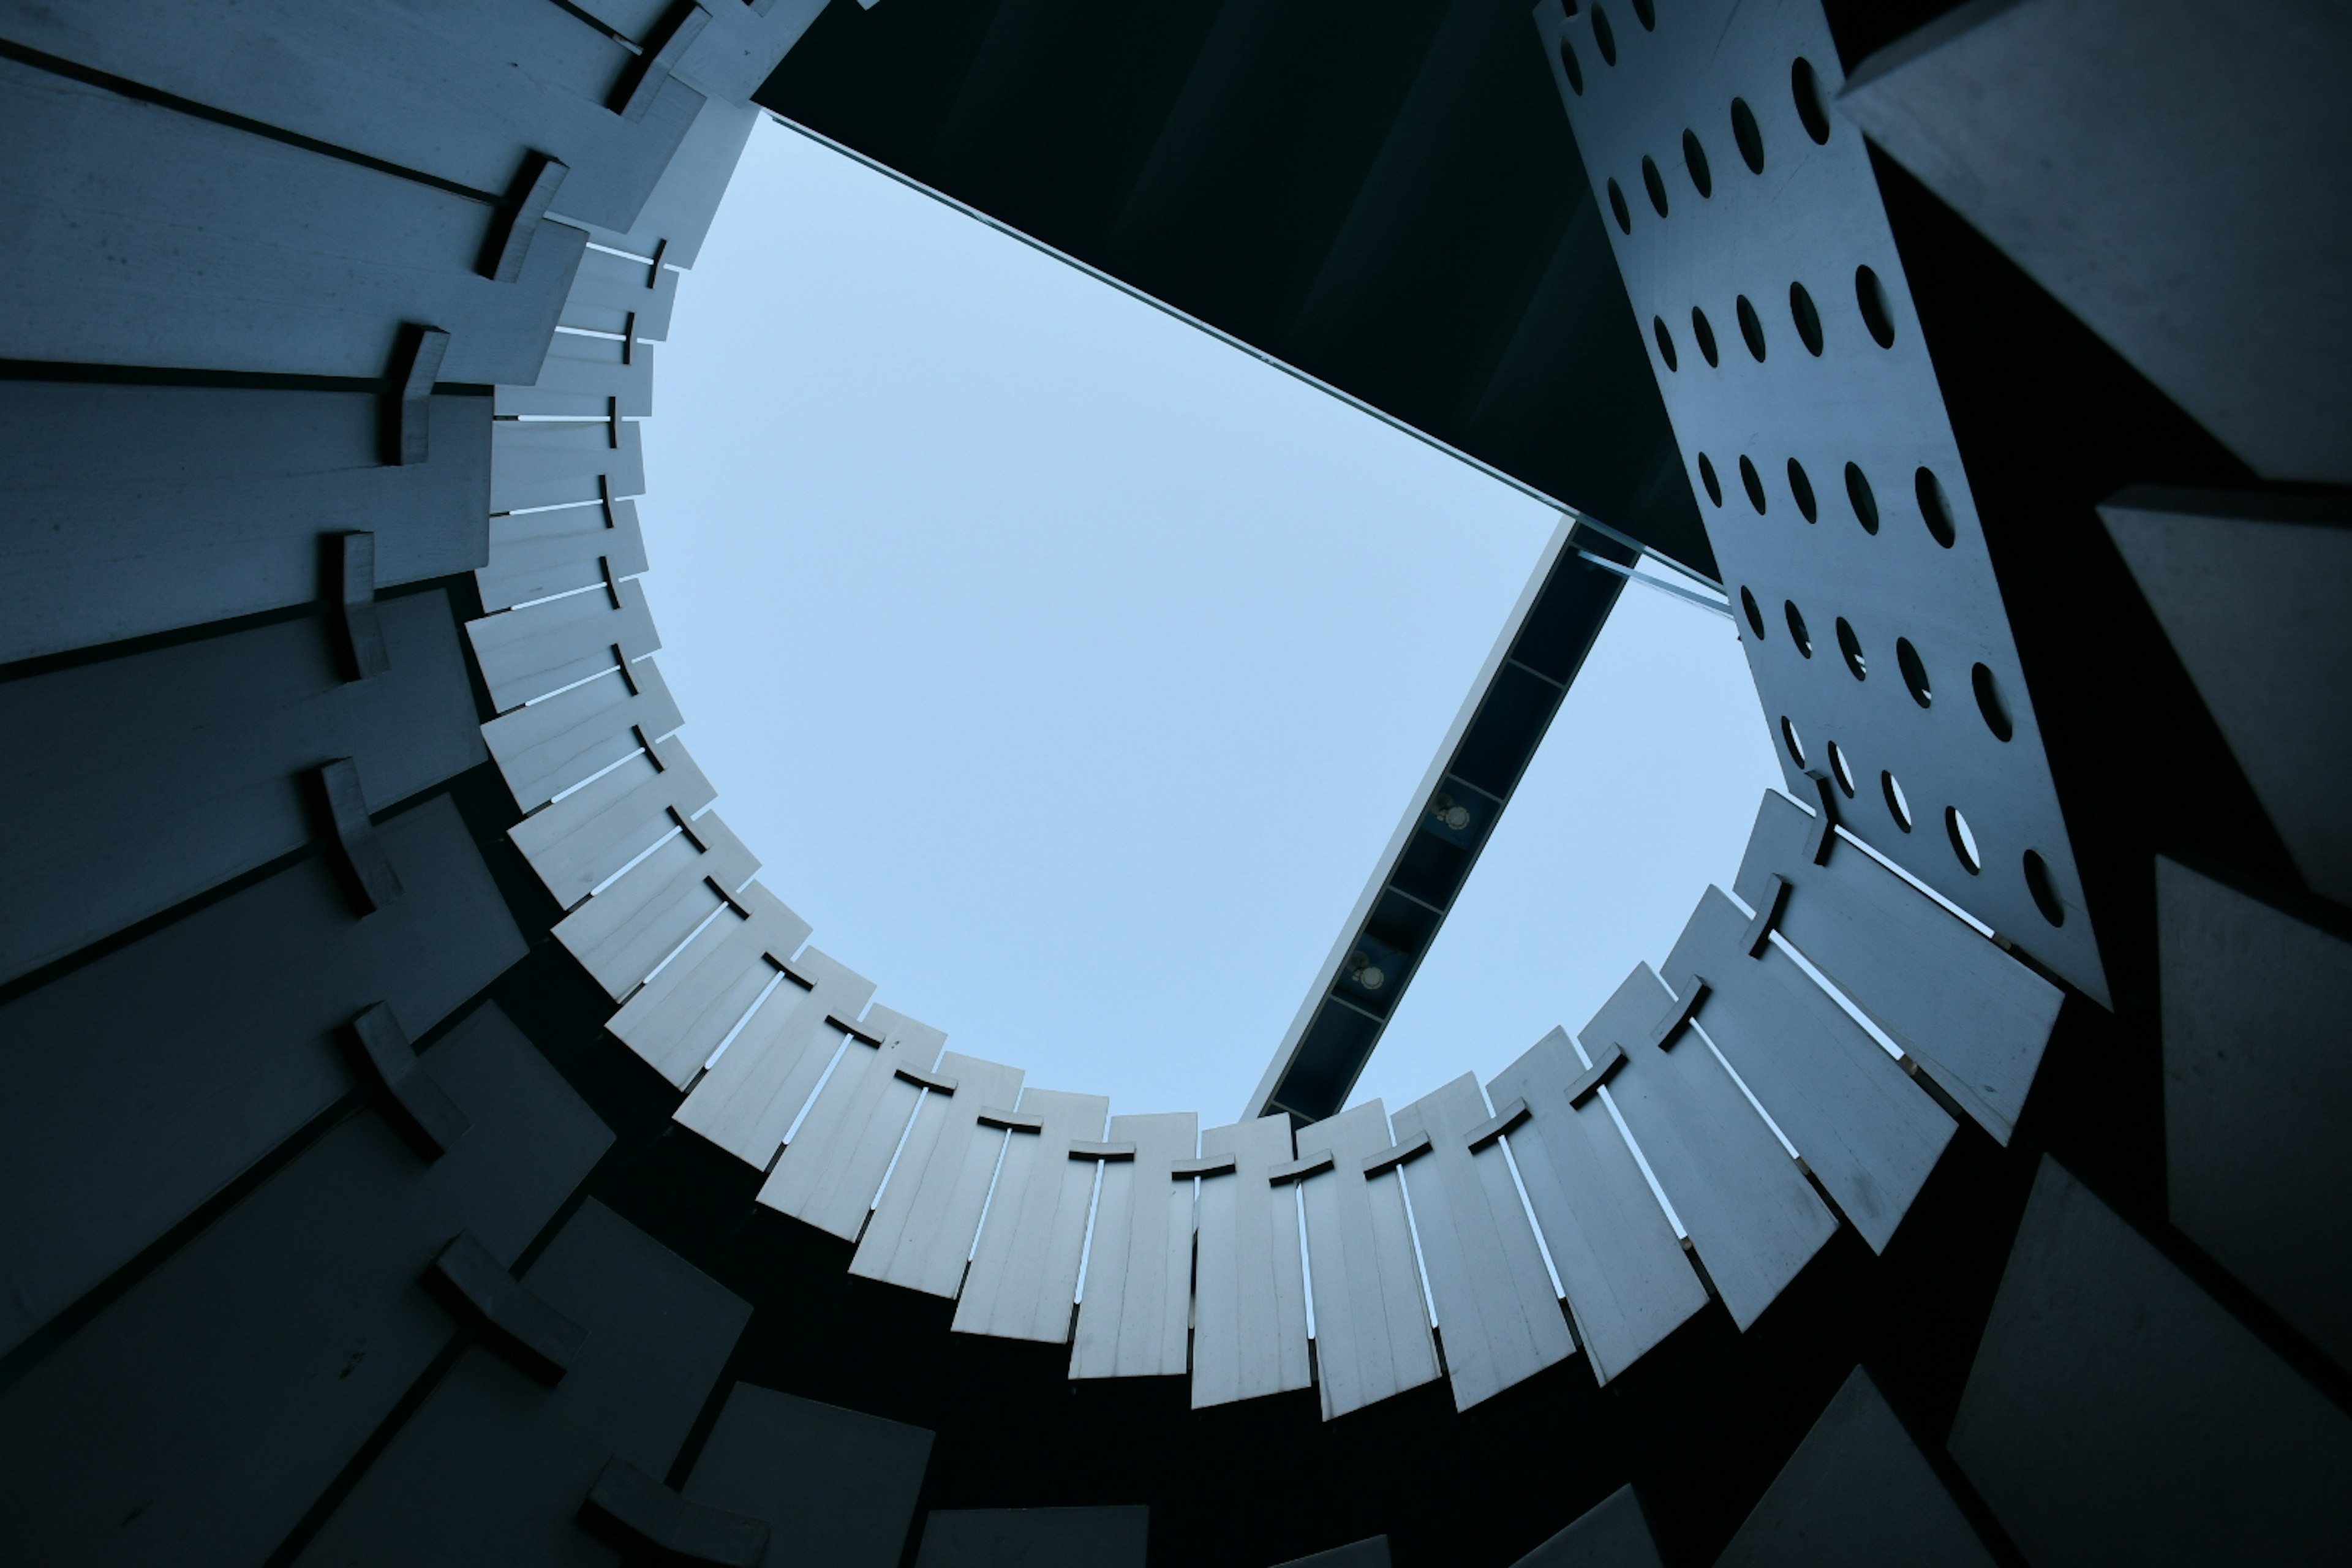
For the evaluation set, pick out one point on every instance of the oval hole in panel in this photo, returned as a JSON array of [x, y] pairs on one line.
[[1989, 703], [1800, 485], [1748, 134], [1869, 294], [1797, 627], [1851, 646], [1703, 333], [1915, 673], [1964, 843], [1751, 327], [2044, 889], [1838, 768], [1805, 85], [1897, 806], [1706, 476], [1695, 163], [1857, 491], [1935, 510], [1808, 319]]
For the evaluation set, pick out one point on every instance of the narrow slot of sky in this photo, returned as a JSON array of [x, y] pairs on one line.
[[1068, 669]]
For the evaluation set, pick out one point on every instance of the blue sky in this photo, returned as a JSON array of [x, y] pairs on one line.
[[1068, 669]]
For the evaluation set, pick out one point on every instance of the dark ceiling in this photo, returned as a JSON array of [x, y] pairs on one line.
[[1384, 195]]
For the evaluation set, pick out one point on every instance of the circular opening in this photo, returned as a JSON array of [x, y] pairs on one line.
[[1797, 627], [1857, 491], [1915, 674], [1567, 63], [1604, 36], [1755, 615], [1694, 160], [1989, 703], [1808, 320], [1704, 332], [2044, 889], [1838, 768], [1618, 209], [1933, 508], [1752, 329], [1877, 313], [1789, 739], [1851, 646], [1806, 84], [1706, 476], [1666, 342], [1755, 483], [1653, 182], [1964, 843], [1896, 805], [1744, 132], [1646, 12], [1801, 486]]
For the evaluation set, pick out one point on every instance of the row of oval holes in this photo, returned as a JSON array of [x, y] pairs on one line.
[[1804, 85], [1935, 506], [2038, 880], [1932, 506], [1907, 661], [1869, 293]]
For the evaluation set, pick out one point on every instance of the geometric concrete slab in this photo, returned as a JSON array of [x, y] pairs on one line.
[[2175, 174], [1612, 1533], [493, 1468], [2116, 1413], [2251, 592], [136, 1087], [161, 774], [1855, 1493], [196, 1419], [834, 1486], [140, 509], [2257, 1096]]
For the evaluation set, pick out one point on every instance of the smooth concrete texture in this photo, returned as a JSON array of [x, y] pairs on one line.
[[1855, 1494], [2116, 1413], [834, 1486], [246, 1371], [138, 1086], [2079, 135], [2250, 590], [2257, 1094], [505, 1462], [1612, 1533]]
